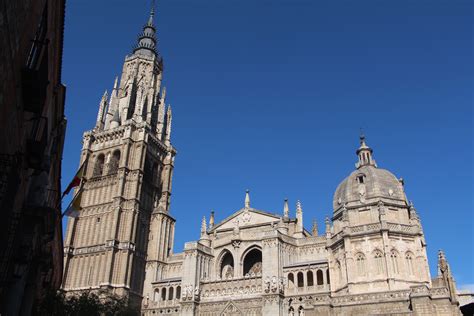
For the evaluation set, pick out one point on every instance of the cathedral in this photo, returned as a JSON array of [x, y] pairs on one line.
[[369, 258]]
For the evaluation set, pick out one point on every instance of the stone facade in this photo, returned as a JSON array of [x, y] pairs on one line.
[[370, 259]]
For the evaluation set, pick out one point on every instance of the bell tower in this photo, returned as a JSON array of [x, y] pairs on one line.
[[126, 188]]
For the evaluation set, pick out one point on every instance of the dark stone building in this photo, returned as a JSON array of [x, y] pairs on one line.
[[31, 144]]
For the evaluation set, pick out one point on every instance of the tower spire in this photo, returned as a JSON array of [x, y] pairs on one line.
[[365, 154], [147, 39]]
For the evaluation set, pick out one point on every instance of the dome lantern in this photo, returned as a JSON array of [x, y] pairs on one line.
[[365, 154]]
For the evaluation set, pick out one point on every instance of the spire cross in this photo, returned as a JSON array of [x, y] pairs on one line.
[[152, 11]]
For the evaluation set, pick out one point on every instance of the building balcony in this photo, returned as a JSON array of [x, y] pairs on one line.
[[231, 287]]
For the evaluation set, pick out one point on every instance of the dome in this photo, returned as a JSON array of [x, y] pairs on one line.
[[368, 183]]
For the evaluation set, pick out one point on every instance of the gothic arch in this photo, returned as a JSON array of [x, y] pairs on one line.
[[252, 260], [394, 261], [377, 256], [114, 162], [409, 260], [98, 165], [360, 264], [226, 264]]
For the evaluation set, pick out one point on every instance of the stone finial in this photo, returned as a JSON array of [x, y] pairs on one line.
[[299, 208], [314, 229], [101, 113], [299, 218], [203, 226], [442, 262], [169, 117], [412, 210], [328, 227], [286, 209], [247, 199], [211, 220], [115, 83]]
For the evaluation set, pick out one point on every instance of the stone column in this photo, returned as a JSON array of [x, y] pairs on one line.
[[271, 274], [190, 291]]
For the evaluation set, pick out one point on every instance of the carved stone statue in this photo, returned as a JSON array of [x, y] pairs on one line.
[[256, 269], [267, 284], [274, 286], [281, 285], [197, 291], [228, 272]]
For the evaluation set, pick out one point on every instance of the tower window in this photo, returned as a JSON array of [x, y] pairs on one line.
[[98, 219], [360, 178], [360, 261], [99, 166]]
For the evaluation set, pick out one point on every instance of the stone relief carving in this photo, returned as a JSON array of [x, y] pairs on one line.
[[236, 243], [274, 284], [246, 216]]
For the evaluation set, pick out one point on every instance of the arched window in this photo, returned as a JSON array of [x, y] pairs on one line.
[[156, 295], [409, 262], [98, 166], [227, 266], [291, 280], [394, 261], [163, 294], [319, 277], [253, 263], [378, 260], [309, 278], [170, 294], [360, 263], [114, 162], [327, 277], [178, 292], [300, 279]]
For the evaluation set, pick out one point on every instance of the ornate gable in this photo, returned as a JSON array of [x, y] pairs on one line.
[[247, 217], [231, 310]]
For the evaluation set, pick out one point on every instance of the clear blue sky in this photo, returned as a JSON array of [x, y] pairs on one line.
[[270, 96]]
